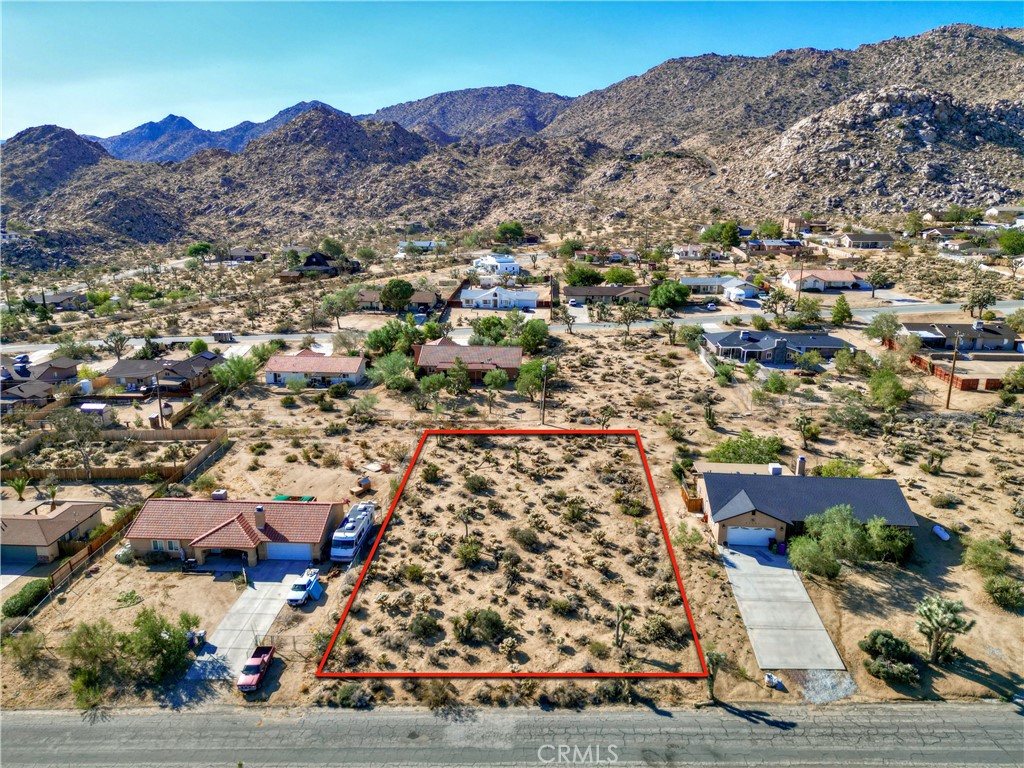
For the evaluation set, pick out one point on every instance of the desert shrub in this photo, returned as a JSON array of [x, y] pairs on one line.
[[987, 556], [338, 391], [468, 552], [86, 688], [760, 323], [98, 531], [559, 606], [25, 648], [943, 500], [1005, 592], [633, 507], [566, 695], [27, 598], [488, 626], [431, 473], [656, 629], [776, 383], [351, 696], [291, 458], [336, 428], [413, 572], [805, 554], [477, 483], [203, 484], [288, 401], [526, 538], [888, 543], [325, 405], [437, 694], [882, 642], [598, 649], [424, 626], [892, 671], [748, 448]]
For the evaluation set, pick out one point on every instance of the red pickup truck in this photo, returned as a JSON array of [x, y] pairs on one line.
[[255, 668]]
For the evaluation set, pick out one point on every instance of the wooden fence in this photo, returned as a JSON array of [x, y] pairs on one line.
[[189, 409], [79, 560], [171, 473], [692, 503]]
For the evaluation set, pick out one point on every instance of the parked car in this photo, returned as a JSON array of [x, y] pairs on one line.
[[711, 307], [762, 296], [255, 668], [307, 586]]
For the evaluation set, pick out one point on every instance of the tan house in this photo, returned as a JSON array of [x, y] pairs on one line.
[[32, 533], [608, 294], [755, 507], [440, 356], [315, 368], [261, 530]]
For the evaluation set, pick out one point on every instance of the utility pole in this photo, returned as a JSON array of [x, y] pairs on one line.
[[952, 370], [544, 389]]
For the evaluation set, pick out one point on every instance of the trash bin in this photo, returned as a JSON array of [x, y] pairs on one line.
[[782, 547]]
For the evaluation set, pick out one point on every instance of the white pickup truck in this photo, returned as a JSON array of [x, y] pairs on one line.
[[353, 532], [306, 587]]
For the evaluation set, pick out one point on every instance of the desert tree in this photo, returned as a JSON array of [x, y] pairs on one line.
[[841, 312], [116, 343], [715, 661], [79, 430], [623, 615], [940, 622], [565, 317], [878, 278], [804, 424], [18, 485], [978, 299], [630, 313], [494, 381], [605, 415], [885, 326]]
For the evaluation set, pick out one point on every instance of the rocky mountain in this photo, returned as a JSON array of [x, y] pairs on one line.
[[38, 160], [709, 101], [176, 138], [481, 115], [884, 152], [753, 137]]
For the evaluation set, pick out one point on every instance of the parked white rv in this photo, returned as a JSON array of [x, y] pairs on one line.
[[353, 532]]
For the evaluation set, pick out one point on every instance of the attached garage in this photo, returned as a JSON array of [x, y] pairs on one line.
[[10, 553], [279, 551], [736, 536]]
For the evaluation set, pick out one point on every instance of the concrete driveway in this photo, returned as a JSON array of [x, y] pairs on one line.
[[250, 618], [12, 571], [784, 627]]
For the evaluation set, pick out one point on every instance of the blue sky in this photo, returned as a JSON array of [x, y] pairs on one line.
[[102, 68]]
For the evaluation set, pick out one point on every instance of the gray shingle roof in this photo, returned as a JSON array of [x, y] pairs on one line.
[[791, 499], [763, 340]]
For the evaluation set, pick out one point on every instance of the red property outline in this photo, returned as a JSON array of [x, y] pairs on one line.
[[485, 675]]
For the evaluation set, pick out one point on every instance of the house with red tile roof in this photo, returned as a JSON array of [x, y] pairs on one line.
[[315, 369], [440, 355], [261, 530]]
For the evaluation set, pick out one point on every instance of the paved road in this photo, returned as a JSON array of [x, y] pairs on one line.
[[691, 316], [985, 734]]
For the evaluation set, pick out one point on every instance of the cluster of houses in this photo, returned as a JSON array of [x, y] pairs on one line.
[[23, 384]]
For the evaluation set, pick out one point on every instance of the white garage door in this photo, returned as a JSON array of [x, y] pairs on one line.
[[749, 537], [279, 551]]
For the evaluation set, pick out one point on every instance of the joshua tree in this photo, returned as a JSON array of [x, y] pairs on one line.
[[464, 517], [623, 613], [940, 623], [803, 423], [714, 660]]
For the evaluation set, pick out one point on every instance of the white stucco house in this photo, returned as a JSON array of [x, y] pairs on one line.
[[498, 298], [496, 264]]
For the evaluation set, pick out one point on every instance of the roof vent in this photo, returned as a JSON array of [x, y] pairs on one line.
[[774, 469], [979, 325], [744, 335], [221, 494]]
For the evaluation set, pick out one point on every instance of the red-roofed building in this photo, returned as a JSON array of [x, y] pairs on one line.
[[263, 530], [440, 356], [316, 369]]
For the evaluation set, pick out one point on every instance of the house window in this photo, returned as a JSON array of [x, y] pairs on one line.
[[172, 546], [157, 546]]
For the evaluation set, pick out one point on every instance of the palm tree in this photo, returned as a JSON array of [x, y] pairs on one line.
[[19, 484], [52, 490]]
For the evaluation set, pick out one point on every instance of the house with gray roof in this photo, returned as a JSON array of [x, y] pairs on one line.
[[751, 509], [771, 347], [978, 336]]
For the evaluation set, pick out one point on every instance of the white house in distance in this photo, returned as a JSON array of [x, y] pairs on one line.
[[824, 279], [315, 368], [496, 264], [498, 298]]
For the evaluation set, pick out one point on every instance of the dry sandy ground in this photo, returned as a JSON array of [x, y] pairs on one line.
[[94, 597], [557, 594]]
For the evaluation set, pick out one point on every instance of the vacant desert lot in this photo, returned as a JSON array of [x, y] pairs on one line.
[[556, 539]]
